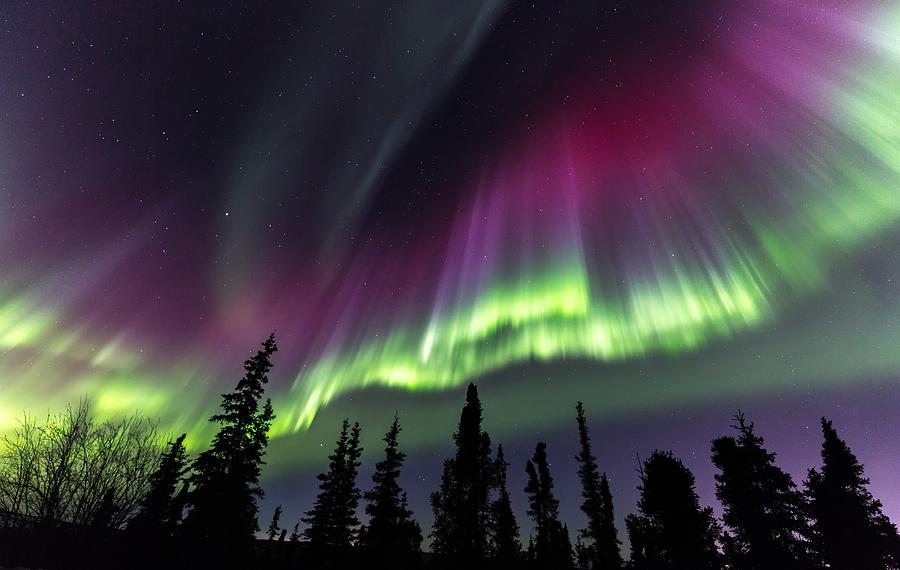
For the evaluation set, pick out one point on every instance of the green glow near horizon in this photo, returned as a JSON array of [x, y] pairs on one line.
[[844, 195]]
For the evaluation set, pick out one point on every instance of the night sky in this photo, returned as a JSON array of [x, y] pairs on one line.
[[668, 210]]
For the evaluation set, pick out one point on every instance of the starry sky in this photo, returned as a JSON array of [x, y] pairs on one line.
[[666, 210]]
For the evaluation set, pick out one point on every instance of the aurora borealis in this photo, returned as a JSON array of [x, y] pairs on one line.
[[655, 207]]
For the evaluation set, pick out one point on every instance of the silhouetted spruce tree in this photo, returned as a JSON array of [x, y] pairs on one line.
[[444, 503], [225, 478], [552, 549], [106, 511], [161, 508], [763, 510], [850, 531], [599, 542], [506, 550], [461, 506], [584, 556], [295, 533], [671, 531], [392, 534], [567, 560], [274, 527], [332, 520]]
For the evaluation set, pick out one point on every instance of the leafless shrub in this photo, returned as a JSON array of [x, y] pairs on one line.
[[61, 470]]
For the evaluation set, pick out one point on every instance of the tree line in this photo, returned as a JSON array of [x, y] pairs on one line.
[[79, 482]]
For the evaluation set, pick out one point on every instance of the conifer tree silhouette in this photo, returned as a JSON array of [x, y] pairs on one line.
[[850, 531], [161, 508], [461, 506], [444, 503], [295, 533], [552, 548], [332, 520], [763, 510], [671, 531], [391, 533], [225, 478], [274, 527], [105, 512], [506, 550], [584, 556], [599, 542], [565, 550]]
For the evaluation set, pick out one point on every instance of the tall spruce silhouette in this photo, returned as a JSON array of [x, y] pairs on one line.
[[671, 531], [763, 509], [850, 531], [551, 548], [599, 542], [392, 534], [274, 526], [506, 549], [161, 508], [225, 478], [444, 503], [332, 520], [461, 505], [105, 512]]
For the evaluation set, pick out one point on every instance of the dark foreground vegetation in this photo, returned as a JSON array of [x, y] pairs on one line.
[[77, 493]]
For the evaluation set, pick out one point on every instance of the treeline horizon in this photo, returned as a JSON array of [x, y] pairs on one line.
[[75, 492]]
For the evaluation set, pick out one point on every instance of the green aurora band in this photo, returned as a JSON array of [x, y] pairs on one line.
[[843, 191], [848, 194]]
